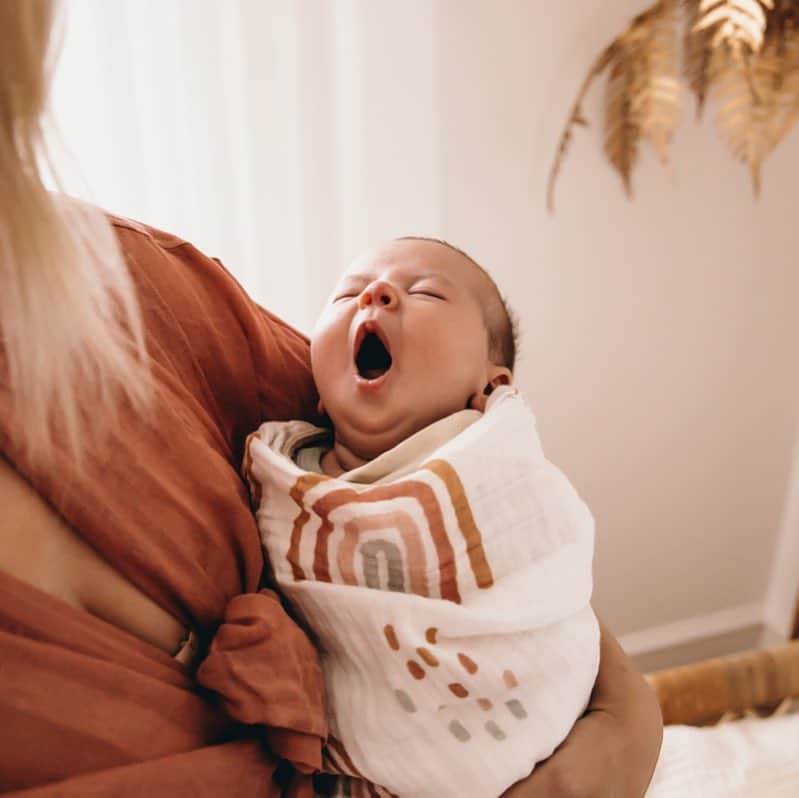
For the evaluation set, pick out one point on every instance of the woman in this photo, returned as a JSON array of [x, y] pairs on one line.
[[136, 653]]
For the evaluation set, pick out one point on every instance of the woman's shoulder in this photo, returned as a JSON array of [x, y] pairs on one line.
[[204, 327], [187, 297], [184, 278], [124, 227]]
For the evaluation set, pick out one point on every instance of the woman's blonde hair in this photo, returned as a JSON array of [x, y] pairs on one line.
[[70, 327]]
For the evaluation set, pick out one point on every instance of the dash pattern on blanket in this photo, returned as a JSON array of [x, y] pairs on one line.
[[458, 688]]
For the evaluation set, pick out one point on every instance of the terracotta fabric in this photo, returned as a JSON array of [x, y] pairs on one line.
[[85, 708]]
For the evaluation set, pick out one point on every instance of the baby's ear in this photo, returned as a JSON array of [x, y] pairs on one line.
[[498, 375], [320, 408]]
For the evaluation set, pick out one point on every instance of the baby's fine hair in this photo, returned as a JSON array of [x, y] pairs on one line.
[[500, 320]]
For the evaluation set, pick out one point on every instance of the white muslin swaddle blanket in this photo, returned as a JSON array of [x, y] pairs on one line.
[[447, 585]]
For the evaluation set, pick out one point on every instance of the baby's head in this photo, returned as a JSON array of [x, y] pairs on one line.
[[414, 331]]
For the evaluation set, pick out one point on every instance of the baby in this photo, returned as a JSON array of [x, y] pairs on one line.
[[442, 564]]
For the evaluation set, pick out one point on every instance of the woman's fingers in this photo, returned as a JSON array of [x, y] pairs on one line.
[[612, 750], [580, 768]]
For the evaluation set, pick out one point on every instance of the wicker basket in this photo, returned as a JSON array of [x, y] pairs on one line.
[[758, 681]]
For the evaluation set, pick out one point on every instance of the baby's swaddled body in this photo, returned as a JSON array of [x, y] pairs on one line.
[[447, 583]]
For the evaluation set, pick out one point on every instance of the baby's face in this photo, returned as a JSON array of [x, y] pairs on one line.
[[401, 344]]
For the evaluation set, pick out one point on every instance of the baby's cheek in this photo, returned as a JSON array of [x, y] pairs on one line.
[[465, 350], [329, 337], [435, 355]]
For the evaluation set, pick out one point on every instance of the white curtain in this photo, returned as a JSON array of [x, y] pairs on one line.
[[266, 132], [284, 136]]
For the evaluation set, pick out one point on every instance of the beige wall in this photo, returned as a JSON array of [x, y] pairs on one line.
[[660, 342]]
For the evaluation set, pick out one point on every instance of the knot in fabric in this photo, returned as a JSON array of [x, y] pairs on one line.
[[266, 672]]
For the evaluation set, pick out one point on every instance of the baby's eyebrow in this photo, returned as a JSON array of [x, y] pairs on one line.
[[433, 276], [355, 278], [350, 282]]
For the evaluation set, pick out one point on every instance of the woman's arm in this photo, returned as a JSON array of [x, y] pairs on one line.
[[612, 750]]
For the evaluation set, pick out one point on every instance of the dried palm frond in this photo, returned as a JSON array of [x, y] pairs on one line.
[[622, 133], [643, 92], [758, 97], [743, 55], [697, 54], [738, 24], [655, 101]]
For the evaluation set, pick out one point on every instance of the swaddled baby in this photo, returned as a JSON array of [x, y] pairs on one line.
[[441, 563]]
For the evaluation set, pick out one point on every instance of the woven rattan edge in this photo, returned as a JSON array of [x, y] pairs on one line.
[[702, 693]]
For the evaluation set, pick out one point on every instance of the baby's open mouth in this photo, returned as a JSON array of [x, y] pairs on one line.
[[372, 359]]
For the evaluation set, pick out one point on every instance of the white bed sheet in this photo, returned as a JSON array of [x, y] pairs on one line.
[[743, 759]]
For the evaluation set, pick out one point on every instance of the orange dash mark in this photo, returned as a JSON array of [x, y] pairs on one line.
[[431, 635], [391, 637], [484, 704], [510, 680], [458, 690], [415, 669], [469, 664], [427, 657]]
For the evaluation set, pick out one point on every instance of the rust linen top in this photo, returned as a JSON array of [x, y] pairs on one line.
[[89, 710]]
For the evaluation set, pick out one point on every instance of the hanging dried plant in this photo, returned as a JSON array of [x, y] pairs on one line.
[[697, 54], [756, 90], [642, 96], [741, 55], [759, 102]]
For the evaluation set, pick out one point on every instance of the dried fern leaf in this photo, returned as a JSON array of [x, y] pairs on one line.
[[737, 24], [758, 99], [745, 99], [622, 133], [741, 54], [656, 103], [576, 117], [643, 91], [697, 55]]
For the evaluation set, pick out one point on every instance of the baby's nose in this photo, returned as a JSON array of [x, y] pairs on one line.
[[379, 293]]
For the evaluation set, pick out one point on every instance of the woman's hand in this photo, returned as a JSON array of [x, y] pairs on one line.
[[612, 750]]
